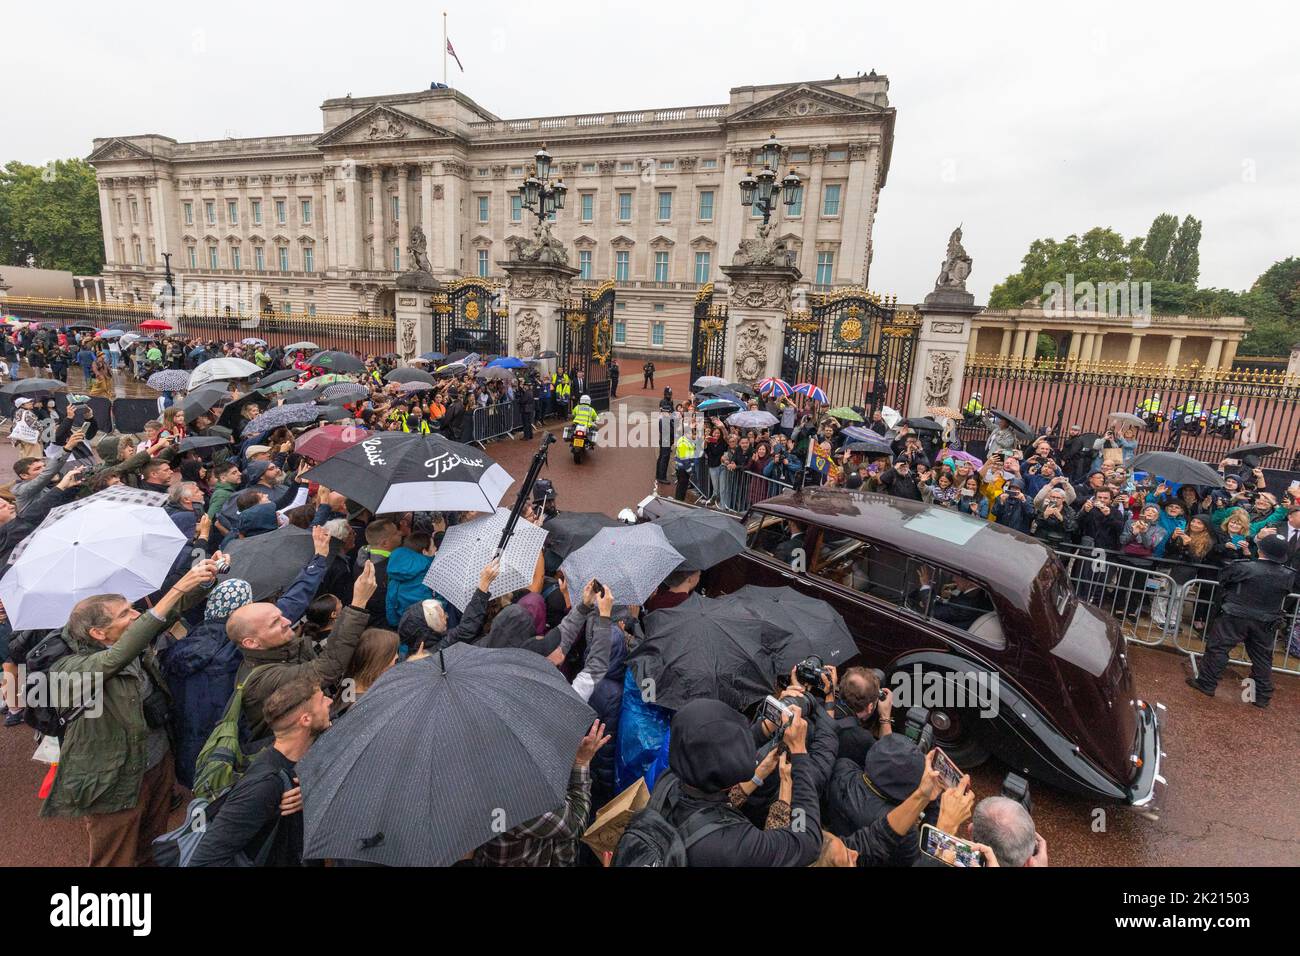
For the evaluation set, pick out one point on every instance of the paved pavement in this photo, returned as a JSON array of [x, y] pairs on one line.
[[1231, 794]]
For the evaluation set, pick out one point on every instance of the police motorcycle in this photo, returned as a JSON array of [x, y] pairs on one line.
[[1151, 412], [581, 432], [1225, 422], [1189, 418]]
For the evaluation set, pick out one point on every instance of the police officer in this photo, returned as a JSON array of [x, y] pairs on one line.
[[687, 453], [648, 371], [973, 408], [586, 416], [526, 402], [1251, 610], [667, 435]]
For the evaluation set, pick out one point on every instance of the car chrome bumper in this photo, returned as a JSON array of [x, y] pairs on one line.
[[1142, 792]]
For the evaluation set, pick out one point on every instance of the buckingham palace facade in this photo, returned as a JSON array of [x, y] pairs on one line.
[[319, 222]]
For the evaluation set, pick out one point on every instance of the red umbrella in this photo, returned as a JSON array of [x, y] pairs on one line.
[[154, 325], [328, 440]]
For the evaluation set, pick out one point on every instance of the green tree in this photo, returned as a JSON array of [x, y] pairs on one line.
[[1185, 253], [1282, 280], [1099, 255], [1159, 238], [52, 213]]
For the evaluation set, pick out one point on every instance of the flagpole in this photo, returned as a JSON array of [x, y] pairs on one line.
[[444, 48]]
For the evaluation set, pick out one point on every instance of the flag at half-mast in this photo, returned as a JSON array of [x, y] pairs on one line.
[[452, 50]]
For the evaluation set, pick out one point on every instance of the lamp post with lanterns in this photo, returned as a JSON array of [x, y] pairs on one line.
[[537, 193], [763, 190]]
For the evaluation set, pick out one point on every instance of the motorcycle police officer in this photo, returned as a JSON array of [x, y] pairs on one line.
[[1255, 591], [586, 416]]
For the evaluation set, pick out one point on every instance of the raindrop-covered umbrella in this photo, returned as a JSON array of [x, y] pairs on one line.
[[408, 388], [492, 373], [468, 546], [630, 560], [328, 440], [284, 375], [252, 341], [129, 339], [923, 424], [740, 388], [755, 419], [281, 415], [233, 413], [345, 392], [223, 369], [810, 626], [406, 471], [507, 361], [169, 380], [703, 649], [705, 381], [202, 401], [302, 347], [109, 334], [329, 378], [432, 356], [1175, 467], [775, 388], [1015, 424], [1126, 418], [704, 538], [437, 753], [301, 395], [104, 548], [121, 494], [276, 388], [195, 442], [337, 362], [1254, 450], [401, 375]]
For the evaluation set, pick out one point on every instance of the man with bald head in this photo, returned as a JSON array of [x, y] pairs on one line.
[[274, 654]]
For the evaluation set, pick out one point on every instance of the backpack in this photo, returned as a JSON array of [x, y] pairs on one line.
[[40, 711], [177, 847], [652, 839], [222, 760]]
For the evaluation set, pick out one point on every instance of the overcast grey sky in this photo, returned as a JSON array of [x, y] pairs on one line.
[[1021, 120]]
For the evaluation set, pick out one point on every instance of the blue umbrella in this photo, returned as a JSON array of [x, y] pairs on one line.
[[433, 356], [719, 404], [508, 361], [110, 334]]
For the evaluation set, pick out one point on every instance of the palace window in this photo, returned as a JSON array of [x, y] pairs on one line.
[[370, 208], [234, 258], [657, 334], [393, 208], [667, 163], [588, 167], [516, 208], [305, 206], [825, 268], [665, 206], [703, 265], [483, 206], [232, 212], [256, 206], [259, 258], [397, 259], [624, 207], [483, 263], [620, 332], [311, 309], [135, 211], [831, 199], [308, 259], [188, 207], [795, 208], [837, 155], [706, 205], [281, 212], [708, 164], [193, 256], [210, 210], [584, 264], [588, 206], [622, 265], [661, 267], [625, 167], [213, 258], [284, 258]]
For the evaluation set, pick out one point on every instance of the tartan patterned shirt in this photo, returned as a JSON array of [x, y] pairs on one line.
[[548, 840]]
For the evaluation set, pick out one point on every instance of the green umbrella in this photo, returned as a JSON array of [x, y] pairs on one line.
[[847, 414], [276, 387]]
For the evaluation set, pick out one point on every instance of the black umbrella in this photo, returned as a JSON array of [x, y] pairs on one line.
[[30, 386], [406, 471], [337, 362], [281, 376], [456, 357], [740, 388], [201, 401], [1256, 450], [439, 756], [570, 530], [922, 424], [301, 396], [1016, 424], [270, 562], [703, 649], [409, 375], [1175, 467], [704, 538], [333, 413], [193, 442], [809, 626], [231, 414]]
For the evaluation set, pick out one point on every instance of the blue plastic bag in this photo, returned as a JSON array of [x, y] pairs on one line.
[[642, 738]]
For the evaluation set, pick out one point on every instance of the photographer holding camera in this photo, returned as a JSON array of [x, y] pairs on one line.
[[1012, 509], [860, 704]]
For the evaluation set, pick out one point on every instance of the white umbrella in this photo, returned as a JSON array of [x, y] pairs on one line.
[[104, 548], [754, 419], [302, 347], [217, 369], [631, 560], [707, 381], [120, 494], [468, 546]]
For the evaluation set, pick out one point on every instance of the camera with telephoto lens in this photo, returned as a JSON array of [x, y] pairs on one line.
[[811, 673], [917, 728], [1016, 787]]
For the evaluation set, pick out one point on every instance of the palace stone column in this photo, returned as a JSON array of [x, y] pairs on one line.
[[414, 306], [758, 299], [537, 292]]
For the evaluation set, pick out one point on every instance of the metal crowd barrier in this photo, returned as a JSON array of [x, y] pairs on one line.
[[494, 421], [1145, 600], [1200, 608], [737, 490]]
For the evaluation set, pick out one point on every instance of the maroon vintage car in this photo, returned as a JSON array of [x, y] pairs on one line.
[[982, 615]]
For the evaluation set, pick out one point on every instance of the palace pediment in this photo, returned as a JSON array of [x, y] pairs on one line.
[[117, 149], [381, 124], [801, 102]]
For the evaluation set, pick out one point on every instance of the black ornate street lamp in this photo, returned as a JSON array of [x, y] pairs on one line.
[[763, 190], [537, 193]]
